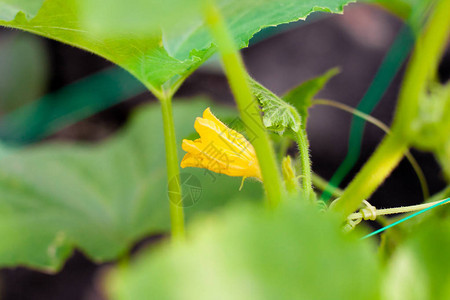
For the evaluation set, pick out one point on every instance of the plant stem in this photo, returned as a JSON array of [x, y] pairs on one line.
[[173, 171], [248, 107], [391, 150], [303, 147], [379, 166]]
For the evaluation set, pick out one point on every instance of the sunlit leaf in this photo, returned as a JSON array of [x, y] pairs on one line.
[[183, 21], [103, 198]]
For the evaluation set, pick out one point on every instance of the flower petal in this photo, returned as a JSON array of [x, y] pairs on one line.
[[220, 149]]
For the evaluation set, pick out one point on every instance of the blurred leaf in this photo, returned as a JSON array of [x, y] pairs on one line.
[[23, 63], [100, 199], [278, 115], [420, 269], [430, 130], [301, 96], [248, 253], [431, 127], [10, 8], [406, 279]]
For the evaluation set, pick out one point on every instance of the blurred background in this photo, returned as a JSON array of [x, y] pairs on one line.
[[50, 91]]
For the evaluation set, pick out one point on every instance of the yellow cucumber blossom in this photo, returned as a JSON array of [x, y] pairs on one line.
[[220, 149]]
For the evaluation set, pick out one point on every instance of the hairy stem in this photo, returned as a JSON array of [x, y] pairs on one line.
[[303, 147], [248, 106]]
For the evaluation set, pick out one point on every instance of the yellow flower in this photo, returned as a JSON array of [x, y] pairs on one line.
[[220, 149]]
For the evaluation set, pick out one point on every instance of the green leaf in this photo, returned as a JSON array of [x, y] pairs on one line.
[[247, 253], [278, 115], [430, 129], [301, 96], [10, 8], [128, 33], [419, 269], [244, 19], [99, 198], [185, 31]]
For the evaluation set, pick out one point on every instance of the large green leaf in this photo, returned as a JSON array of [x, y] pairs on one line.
[[247, 253], [183, 21], [129, 32], [99, 198]]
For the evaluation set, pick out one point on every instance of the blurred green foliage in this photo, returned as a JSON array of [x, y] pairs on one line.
[[248, 253], [419, 269], [430, 131], [100, 199]]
